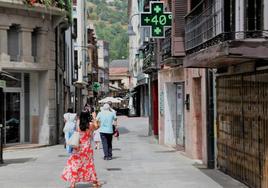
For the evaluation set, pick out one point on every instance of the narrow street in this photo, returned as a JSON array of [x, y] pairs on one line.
[[138, 162]]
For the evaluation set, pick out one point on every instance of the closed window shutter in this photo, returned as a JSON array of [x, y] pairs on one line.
[[179, 8]]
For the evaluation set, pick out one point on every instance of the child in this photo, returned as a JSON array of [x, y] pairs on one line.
[[97, 138]]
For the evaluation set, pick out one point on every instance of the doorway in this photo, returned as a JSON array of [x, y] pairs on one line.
[[12, 117]]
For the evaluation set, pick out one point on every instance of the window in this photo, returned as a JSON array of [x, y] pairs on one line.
[[229, 15], [13, 42], [254, 15], [75, 27], [75, 59], [34, 44]]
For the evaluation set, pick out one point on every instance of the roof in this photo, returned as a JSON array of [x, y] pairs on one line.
[[120, 70], [119, 63]]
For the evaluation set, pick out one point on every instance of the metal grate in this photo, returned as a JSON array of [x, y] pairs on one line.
[[242, 120]]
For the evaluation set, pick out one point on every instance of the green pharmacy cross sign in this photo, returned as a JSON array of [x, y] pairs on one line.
[[96, 86], [156, 19]]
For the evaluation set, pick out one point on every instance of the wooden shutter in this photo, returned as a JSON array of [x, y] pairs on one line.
[[179, 8]]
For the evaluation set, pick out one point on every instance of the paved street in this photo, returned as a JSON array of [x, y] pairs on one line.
[[138, 162]]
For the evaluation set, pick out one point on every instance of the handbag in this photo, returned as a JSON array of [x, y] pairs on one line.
[[115, 131], [73, 141]]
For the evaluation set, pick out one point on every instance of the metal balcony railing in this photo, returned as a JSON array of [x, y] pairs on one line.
[[202, 24], [205, 25], [149, 62], [166, 45]]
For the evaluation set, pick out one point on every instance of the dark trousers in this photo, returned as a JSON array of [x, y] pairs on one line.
[[107, 139]]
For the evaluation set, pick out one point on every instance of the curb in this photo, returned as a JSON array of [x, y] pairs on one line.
[[23, 147]]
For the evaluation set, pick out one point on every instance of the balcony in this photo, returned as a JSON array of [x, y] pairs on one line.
[[149, 61], [167, 56], [213, 40]]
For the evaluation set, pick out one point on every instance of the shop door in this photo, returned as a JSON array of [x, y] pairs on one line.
[[180, 137], [12, 117]]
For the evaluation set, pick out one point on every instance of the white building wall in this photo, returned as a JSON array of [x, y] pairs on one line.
[[134, 42]]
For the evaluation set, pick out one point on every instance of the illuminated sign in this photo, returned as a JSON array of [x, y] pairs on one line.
[[156, 19]]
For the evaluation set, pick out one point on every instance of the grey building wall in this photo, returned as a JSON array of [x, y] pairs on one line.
[[43, 119]]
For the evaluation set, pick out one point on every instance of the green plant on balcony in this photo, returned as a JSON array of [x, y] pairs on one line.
[[62, 4]]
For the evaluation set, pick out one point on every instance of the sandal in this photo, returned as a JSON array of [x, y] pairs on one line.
[[96, 184]]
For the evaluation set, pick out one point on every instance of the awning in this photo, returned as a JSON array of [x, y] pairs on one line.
[[7, 76]]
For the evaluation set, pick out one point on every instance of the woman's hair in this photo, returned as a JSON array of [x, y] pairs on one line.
[[84, 120], [70, 110]]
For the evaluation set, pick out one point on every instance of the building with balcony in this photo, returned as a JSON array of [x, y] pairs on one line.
[[139, 88], [119, 78], [230, 39], [31, 41], [178, 106], [92, 62], [80, 53], [103, 64], [182, 92]]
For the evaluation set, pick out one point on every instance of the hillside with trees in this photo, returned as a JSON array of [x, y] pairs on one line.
[[110, 20]]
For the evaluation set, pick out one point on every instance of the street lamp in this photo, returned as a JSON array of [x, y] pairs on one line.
[[130, 30]]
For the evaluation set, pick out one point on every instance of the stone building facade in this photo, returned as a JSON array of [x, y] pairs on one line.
[[29, 52]]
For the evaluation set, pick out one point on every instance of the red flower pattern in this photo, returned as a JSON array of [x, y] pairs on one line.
[[80, 165]]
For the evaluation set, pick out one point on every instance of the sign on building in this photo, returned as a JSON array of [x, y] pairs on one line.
[[157, 20], [96, 86]]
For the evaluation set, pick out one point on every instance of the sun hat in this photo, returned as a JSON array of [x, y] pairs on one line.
[[106, 106]]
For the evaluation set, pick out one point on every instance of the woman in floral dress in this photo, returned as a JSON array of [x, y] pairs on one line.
[[80, 165]]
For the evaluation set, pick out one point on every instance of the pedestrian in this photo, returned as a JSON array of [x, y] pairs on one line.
[[80, 165], [115, 124], [106, 119], [69, 127], [97, 138]]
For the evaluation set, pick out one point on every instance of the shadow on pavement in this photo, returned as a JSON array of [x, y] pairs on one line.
[[116, 157], [222, 179], [116, 149], [87, 185], [17, 161], [123, 130], [63, 155]]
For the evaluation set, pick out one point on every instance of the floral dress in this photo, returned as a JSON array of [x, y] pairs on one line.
[[80, 165]]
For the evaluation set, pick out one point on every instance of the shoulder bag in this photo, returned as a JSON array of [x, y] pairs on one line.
[[73, 141]]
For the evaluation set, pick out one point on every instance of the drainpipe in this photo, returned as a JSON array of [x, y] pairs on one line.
[[57, 89], [150, 106], [1, 125], [210, 119]]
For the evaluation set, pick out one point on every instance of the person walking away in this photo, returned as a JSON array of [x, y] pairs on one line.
[[80, 165], [89, 109], [69, 127], [106, 118], [115, 124]]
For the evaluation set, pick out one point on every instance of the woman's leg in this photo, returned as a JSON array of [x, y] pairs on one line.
[[97, 145], [73, 185]]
